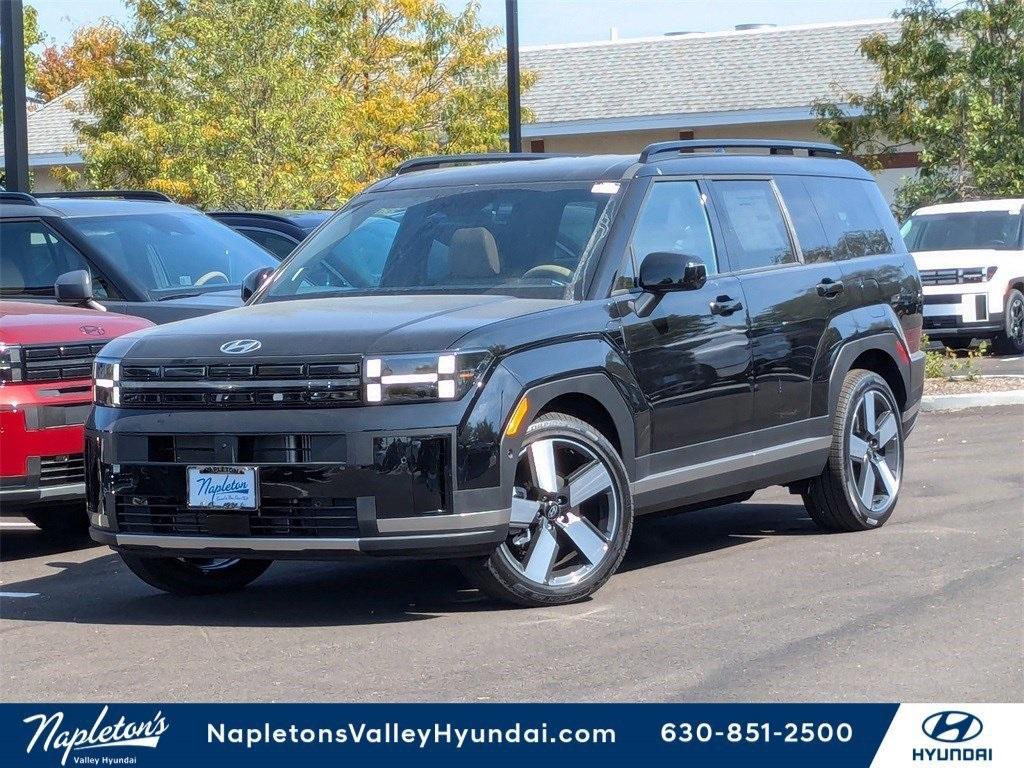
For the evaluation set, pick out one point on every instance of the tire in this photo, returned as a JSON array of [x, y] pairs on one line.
[[59, 521], [859, 494], [568, 550], [1011, 342], [195, 576]]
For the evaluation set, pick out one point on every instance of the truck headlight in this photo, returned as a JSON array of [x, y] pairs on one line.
[[106, 382], [415, 378]]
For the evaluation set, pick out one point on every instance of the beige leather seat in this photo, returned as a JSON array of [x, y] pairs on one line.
[[473, 255]]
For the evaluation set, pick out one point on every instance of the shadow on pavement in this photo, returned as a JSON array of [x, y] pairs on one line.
[[25, 543], [359, 591]]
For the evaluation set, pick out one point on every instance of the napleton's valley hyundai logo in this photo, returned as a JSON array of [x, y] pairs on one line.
[[51, 735], [952, 727], [240, 346]]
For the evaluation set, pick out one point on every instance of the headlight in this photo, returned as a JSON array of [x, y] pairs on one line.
[[10, 364], [413, 378], [106, 381]]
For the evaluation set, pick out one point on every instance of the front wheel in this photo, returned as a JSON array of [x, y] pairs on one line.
[[858, 488], [572, 516], [195, 575], [1012, 340]]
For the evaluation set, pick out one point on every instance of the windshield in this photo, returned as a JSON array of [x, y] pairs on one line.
[[523, 240], [174, 253], [965, 230]]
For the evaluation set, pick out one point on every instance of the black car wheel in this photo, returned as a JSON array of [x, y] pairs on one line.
[[858, 489], [1012, 340], [195, 575], [572, 516]]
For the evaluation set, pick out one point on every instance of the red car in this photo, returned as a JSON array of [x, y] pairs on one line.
[[46, 355]]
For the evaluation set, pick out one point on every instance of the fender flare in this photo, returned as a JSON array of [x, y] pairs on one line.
[[886, 342]]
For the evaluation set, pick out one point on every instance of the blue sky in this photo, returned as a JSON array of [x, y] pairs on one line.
[[565, 21]]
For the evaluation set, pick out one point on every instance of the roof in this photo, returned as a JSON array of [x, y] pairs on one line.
[[588, 168], [1013, 205], [68, 207], [51, 129], [760, 69]]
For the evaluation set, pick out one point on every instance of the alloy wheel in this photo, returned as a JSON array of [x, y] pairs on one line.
[[1015, 324], [566, 511], [873, 453]]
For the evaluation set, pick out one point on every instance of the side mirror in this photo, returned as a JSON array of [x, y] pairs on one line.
[[254, 280], [76, 288], [663, 271]]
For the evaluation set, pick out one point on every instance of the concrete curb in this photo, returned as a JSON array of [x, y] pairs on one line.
[[972, 400]]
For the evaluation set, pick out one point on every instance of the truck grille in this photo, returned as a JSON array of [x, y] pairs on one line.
[[329, 383], [952, 276], [61, 470], [299, 518], [51, 362]]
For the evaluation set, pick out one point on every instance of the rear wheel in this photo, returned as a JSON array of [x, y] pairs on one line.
[[195, 575], [62, 521], [572, 516], [860, 484], [1012, 340]]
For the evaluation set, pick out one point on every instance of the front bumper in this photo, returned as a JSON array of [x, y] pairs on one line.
[[961, 311], [328, 485]]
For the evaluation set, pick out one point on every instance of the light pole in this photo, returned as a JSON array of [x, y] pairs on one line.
[[12, 71], [515, 125]]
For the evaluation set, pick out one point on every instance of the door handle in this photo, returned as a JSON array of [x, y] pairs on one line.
[[725, 305], [829, 288]]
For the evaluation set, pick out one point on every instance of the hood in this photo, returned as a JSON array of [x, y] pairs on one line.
[[28, 323], [353, 325], [974, 257]]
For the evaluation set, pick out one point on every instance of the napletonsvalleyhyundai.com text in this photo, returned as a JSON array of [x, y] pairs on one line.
[[438, 734]]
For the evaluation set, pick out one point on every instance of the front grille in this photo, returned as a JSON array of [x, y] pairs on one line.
[[952, 276], [289, 518], [50, 362], [61, 470], [323, 383]]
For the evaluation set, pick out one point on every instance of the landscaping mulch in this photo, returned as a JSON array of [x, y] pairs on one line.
[[980, 384]]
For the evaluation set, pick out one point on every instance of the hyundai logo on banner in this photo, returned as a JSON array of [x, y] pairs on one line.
[[952, 727], [240, 346]]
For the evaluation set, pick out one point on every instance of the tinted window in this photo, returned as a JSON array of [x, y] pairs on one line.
[[279, 245], [814, 244], [33, 256], [168, 252], [674, 219], [754, 227], [855, 217], [999, 230]]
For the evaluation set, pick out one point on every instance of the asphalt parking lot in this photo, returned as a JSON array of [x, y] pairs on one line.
[[747, 602]]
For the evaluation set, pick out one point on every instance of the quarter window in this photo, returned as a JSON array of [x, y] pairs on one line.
[[674, 219], [754, 227], [855, 217]]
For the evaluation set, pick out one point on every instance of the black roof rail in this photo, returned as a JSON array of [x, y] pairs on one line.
[[774, 147], [17, 197], [122, 194], [439, 161]]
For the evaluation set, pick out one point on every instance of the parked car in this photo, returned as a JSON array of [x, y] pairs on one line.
[[971, 258], [277, 231], [550, 349], [143, 254], [46, 355]]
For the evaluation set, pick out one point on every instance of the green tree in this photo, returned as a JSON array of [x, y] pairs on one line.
[[288, 103], [92, 49], [952, 82]]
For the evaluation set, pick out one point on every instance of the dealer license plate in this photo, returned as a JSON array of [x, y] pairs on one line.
[[223, 487]]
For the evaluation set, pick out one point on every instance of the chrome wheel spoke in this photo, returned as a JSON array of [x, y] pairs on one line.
[[886, 476], [585, 537], [524, 512], [542, 465], [886, 430], [858, 448], [541, 557], [869, 413], [587, 483], [867, 484]]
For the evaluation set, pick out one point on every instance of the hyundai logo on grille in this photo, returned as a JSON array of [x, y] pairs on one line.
[[93, 330], [240, 346], [951, 727]]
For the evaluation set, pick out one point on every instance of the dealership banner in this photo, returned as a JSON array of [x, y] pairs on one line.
[[490, 735]]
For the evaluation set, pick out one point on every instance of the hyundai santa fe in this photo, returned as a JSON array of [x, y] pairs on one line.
[[542, 349]]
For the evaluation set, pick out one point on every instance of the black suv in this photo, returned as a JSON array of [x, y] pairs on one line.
[[541, 352], [135, 252]]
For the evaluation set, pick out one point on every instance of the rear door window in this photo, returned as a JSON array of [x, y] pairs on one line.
[[753, 224], [814, 243]]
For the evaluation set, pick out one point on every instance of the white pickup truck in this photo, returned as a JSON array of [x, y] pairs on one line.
[[971, 260]]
